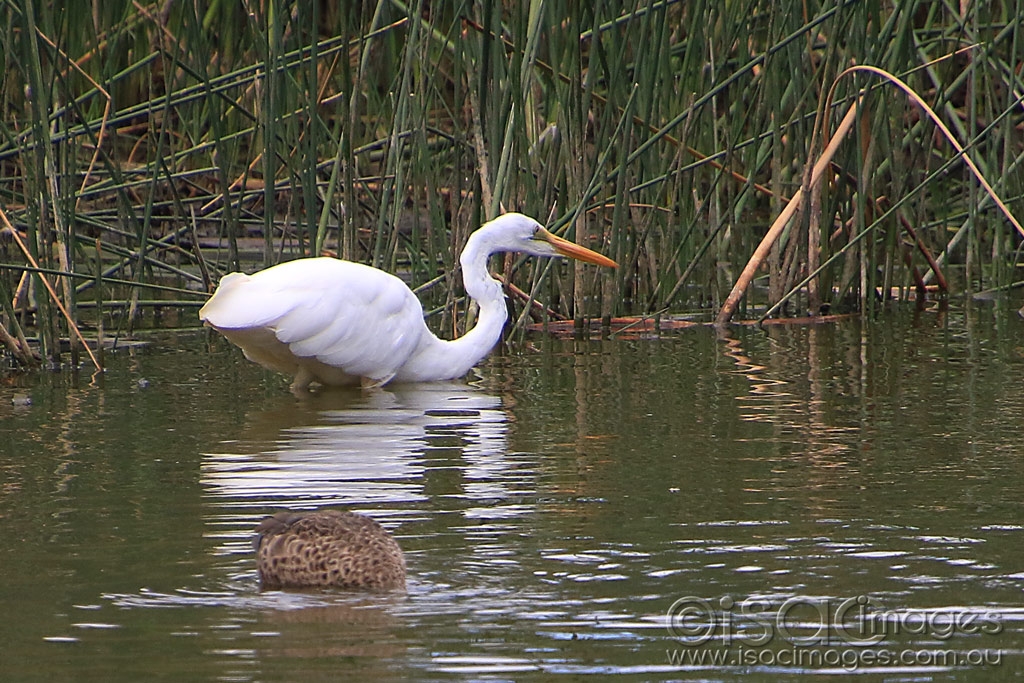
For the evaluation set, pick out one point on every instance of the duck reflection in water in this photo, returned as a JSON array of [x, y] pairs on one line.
[[327, 549]]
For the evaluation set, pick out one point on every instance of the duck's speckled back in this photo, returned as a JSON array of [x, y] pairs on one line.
[[327, 548]]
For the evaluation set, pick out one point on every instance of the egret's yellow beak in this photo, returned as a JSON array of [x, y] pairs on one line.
[[573, 250]]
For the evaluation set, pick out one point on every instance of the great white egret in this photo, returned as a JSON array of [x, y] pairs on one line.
[[327, 548], [338, 323]]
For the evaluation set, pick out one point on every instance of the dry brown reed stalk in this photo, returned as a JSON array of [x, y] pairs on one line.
[[49, 288], [754, 263], [761, 252]]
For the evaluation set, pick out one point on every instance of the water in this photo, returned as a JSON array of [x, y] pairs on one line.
[[800, 501]]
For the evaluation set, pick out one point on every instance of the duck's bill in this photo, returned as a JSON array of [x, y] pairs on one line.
[[573, 250]]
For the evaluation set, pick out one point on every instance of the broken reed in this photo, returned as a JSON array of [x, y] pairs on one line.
[[148, 145]]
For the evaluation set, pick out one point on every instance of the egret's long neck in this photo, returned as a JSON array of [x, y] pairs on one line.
[[439, 359], [486, 291], [479, 284]]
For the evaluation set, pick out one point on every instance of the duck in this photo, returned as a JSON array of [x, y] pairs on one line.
[[327, 549]]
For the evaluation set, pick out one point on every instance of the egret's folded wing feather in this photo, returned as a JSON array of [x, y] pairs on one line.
[[237, 304], [379, 331], [347, 315], [266, 298]]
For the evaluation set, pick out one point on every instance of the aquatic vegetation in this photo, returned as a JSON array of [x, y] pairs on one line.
[[145, 155]]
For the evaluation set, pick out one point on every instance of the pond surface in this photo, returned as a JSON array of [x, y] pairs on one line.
[[795, 502]]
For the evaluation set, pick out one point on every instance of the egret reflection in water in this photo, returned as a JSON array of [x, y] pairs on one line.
[[366, 451]]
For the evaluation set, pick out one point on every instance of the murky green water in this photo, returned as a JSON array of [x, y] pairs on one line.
[[632, 507]]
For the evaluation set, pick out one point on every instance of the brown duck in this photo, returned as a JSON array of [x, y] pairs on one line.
[[327, 548]]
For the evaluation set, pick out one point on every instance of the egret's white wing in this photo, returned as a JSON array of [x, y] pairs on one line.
[[358, 319]]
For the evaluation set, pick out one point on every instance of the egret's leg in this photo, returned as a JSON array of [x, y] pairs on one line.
[[303, 378]]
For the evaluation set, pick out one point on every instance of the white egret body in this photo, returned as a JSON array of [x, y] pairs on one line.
[[338, 323]]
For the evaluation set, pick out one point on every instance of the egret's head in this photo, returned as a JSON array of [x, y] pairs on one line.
[[516, 232]]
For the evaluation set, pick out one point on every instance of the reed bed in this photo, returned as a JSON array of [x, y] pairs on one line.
[[149, 148]]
